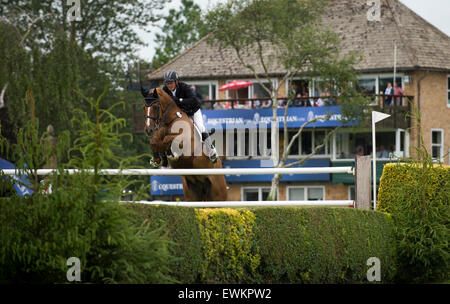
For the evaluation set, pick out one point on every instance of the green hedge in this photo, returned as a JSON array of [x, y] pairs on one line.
[[257, 245], [418, 197], [277, 245], [322, 245], [39, 233], [184, 231]]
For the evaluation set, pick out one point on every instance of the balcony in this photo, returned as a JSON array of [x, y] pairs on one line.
[[399, 109]]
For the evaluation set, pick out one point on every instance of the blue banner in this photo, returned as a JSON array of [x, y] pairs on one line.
[[20, 183], [172, 185], [244, 118], [166, 185]]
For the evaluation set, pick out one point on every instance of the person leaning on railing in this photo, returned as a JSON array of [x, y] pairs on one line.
[[398, 92]]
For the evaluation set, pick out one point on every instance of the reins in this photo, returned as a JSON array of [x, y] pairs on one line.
[[149, 102]]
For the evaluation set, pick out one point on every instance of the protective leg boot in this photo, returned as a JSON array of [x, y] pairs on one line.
[[153, 162], [211, 151]]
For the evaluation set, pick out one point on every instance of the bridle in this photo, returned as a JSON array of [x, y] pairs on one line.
[[149, 102]]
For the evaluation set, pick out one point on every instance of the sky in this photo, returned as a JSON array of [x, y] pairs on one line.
[[436, 12]]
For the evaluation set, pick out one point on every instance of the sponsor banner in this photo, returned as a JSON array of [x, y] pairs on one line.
[[166, 185], [242, 118], [172, 185]]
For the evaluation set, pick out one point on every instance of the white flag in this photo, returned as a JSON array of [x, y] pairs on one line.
[[378, 116]]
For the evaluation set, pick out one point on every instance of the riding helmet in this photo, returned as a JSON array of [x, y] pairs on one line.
[[170, 76]]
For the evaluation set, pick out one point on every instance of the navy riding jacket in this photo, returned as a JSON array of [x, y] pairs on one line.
[[189, 103]]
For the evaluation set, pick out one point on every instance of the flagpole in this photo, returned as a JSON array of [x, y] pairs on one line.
[[374, 157], [376, 117]]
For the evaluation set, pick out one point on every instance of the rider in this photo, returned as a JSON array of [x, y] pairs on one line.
[[185, 99]]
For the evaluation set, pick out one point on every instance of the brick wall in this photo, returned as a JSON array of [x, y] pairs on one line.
[[332, 191], [433, 108]]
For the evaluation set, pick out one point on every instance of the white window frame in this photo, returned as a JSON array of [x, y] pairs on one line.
[[209, 83], [310, 85], [377, 83], [305, 198], [441, 145], [328, 145], [398, 152], [259, 188], [250, 91], [397, 145]]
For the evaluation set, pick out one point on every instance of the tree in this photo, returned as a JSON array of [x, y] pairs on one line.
[[105, 28], [298, 42], [180, 30]]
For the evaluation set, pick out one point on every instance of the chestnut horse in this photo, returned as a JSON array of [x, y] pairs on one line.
[[164, 123]]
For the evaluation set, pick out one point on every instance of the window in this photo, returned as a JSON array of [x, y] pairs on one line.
[[385, 80], [437, 144], [448, 91], [314, 193], [254, 91], [351, 193], [312, 139], [350, 144], [207, 90], [255, 194]]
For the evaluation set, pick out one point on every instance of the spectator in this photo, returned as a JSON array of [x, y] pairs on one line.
[[388, 92], [308, 102], [320, 102], [267, 103], [282, 102], [207, 105], [383, 153], [360, 150], [196, 93], [293, 90], [256, 101], [398, 91], [298, 101]]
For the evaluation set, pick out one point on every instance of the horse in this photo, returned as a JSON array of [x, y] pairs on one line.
[[162, 115]]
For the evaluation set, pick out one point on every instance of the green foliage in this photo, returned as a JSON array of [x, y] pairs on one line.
[[184, 233], [94, 148], [39, 234], [227, 236], [105, 28], [181, 29], [322, 245], [276, 245], [80, 218], [417, 195]]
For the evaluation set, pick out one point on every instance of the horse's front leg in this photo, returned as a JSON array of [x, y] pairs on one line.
[[174, 150]]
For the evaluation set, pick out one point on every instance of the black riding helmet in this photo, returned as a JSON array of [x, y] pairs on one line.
[[170, 76]]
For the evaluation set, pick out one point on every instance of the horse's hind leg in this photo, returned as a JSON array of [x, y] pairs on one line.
[[218, 189], [191, 191]]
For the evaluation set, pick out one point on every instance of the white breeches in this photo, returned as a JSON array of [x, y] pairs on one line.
[[198, 121]]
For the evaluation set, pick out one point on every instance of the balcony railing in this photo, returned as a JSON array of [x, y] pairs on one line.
[[398, 107]]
